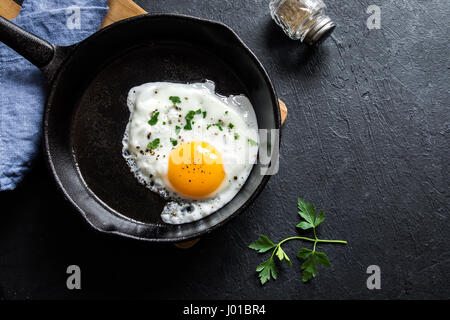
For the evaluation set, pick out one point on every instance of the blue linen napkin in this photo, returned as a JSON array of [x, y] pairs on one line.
[[23, 87]]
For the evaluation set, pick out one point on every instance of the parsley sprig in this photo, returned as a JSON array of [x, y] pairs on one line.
[[313, 258]]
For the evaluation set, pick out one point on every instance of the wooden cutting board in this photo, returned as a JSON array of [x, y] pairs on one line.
[[118, 10]]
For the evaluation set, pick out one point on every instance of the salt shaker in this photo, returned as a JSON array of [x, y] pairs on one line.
[[302, 19]]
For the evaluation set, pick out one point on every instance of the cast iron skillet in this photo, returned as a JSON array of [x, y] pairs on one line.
[[86, 113]]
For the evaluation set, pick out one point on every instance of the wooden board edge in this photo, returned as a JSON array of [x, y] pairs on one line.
[[9, 9], [121, 9]]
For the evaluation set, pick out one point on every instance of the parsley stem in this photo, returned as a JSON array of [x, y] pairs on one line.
[[332, 241], [313, 240], [316, 240], [298, 238]]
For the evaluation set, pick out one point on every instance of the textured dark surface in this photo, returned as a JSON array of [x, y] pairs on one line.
[[366, 139]]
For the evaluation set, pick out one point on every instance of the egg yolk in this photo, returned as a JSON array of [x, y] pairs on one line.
[[195, 169]]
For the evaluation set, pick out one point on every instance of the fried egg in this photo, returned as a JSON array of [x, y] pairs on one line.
[[192, 146]]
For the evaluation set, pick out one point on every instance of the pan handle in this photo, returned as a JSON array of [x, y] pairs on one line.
[[36, 50]]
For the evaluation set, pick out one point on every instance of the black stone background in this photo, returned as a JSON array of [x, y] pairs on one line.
[[366, 140]]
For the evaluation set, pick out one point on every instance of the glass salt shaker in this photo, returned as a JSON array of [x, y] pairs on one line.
[[302, 19]]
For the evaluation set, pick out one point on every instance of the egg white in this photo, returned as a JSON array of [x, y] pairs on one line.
[[151, 167]]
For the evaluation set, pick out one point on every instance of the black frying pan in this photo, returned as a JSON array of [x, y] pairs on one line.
[[86, 111]]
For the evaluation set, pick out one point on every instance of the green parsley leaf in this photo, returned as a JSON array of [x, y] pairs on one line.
[[177, 129], [173, 141], [261, 245], [198, 111], [304, 253], [154, 119], [309, 268], [204, 114], [283, 256], [266, 270], [236, 136], [230, 125], [304, 225], [154, 144], [306, 276], [209, 126], [219, 126], [312, 259], [322, 259], [175, 99], [320, 218], [252, 142], [308, 212]]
